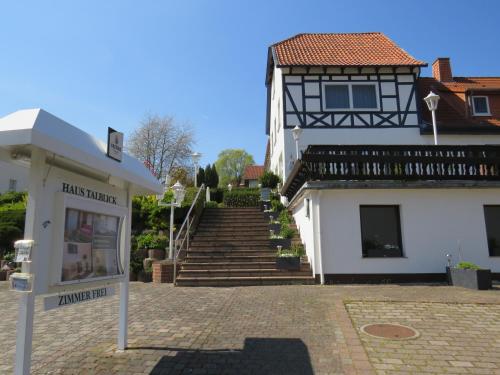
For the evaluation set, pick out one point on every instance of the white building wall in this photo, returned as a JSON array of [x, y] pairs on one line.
[[9, 171], [305, 228], [433, 222], [276, 130]]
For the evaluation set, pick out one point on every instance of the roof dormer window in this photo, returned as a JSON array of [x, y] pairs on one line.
[[480, 106]]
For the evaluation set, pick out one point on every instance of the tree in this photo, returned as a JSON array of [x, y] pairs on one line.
[[162, 144], [200, 177], [211, 176], [231, 164], [182, 175]]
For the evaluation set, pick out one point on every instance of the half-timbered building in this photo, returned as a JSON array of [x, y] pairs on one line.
[[372, 196]]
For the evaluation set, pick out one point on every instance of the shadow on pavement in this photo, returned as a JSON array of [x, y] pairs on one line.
[[259, 356]]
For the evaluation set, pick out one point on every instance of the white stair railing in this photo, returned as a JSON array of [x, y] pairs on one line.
[[183, 239]]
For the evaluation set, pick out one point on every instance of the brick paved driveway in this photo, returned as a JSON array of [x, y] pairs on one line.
[[258, 330]]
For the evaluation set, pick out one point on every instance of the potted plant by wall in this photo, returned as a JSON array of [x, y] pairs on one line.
[[289, 259], [155, 244], [283, 238], [470, 275], [268, 181]]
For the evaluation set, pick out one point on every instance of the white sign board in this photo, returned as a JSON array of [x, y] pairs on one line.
[[23, 250], [21, 282], [53, 302], [115, 144]]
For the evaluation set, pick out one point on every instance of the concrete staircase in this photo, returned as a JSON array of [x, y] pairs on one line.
[[231, 247]]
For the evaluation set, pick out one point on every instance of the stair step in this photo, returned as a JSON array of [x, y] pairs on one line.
[[244, 281], [230, 258], [242, 272], [220, 265], [231, 253]]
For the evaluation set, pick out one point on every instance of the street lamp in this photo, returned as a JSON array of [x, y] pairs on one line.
[[296, 132], [432, 103], [196, 158], [179, 193]]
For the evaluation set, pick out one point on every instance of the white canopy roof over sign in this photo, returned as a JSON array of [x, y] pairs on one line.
[[71, 147]]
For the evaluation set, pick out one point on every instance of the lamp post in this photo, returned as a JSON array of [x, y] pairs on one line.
[[196, 158], [179, 193], [296, 132], [432, 103]]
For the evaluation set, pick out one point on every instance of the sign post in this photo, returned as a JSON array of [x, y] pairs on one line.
[[76, 244], [32, 231]]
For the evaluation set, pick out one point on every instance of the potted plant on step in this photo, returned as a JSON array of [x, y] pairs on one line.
[[268, 181], [289, 259], [155, 244], [470, 275], [283, 238]]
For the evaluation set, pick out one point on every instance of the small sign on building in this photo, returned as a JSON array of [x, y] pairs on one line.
[[115, 144]]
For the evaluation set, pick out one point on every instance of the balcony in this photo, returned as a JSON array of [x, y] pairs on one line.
[[393, 163]]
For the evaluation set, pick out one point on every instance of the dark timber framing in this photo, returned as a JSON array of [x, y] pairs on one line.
[[377, 118]]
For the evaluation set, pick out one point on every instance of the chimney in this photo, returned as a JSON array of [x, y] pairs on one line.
[[441, 69]]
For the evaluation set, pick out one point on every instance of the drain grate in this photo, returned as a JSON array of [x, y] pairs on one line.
[[390, 331]]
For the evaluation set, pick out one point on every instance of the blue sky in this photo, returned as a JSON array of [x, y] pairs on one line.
[[108, 63]]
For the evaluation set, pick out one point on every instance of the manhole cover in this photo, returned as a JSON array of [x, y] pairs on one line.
[[390, 331]]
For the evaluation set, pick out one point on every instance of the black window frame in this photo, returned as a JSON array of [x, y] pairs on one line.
[[364, 251], [490, 252]]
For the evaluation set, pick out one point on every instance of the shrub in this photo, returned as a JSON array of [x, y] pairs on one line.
[[276, 205], [284, 217], [269, 180], [286, 232], [211, 204], [217, 195], [12, 197], [242, 198], [151, 241], [467, 266]]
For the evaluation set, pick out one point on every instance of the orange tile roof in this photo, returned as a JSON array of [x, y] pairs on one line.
[[253, 172], [453, 113], [355, 49]]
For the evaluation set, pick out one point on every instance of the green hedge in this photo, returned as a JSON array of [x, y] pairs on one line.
[[12, 215], [242, 198]]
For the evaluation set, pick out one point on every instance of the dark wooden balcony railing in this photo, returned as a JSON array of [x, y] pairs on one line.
[[394, 162]]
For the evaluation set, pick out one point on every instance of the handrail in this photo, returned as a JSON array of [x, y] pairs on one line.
[[186, 223]]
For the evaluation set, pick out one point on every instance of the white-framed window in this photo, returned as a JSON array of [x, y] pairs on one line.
[[480, 106], [12, 185], [350, 96]]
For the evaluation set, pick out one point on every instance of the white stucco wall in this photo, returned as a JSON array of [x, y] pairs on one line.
[[276, 130], [9, 171], [305, 228], [433, 221]]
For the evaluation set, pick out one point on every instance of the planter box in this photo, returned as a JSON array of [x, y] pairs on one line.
[[285, 243], [472, 279], [163, 272], [265, 194], [156, 254], [274, 214], [275, 227], [288, 263]]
